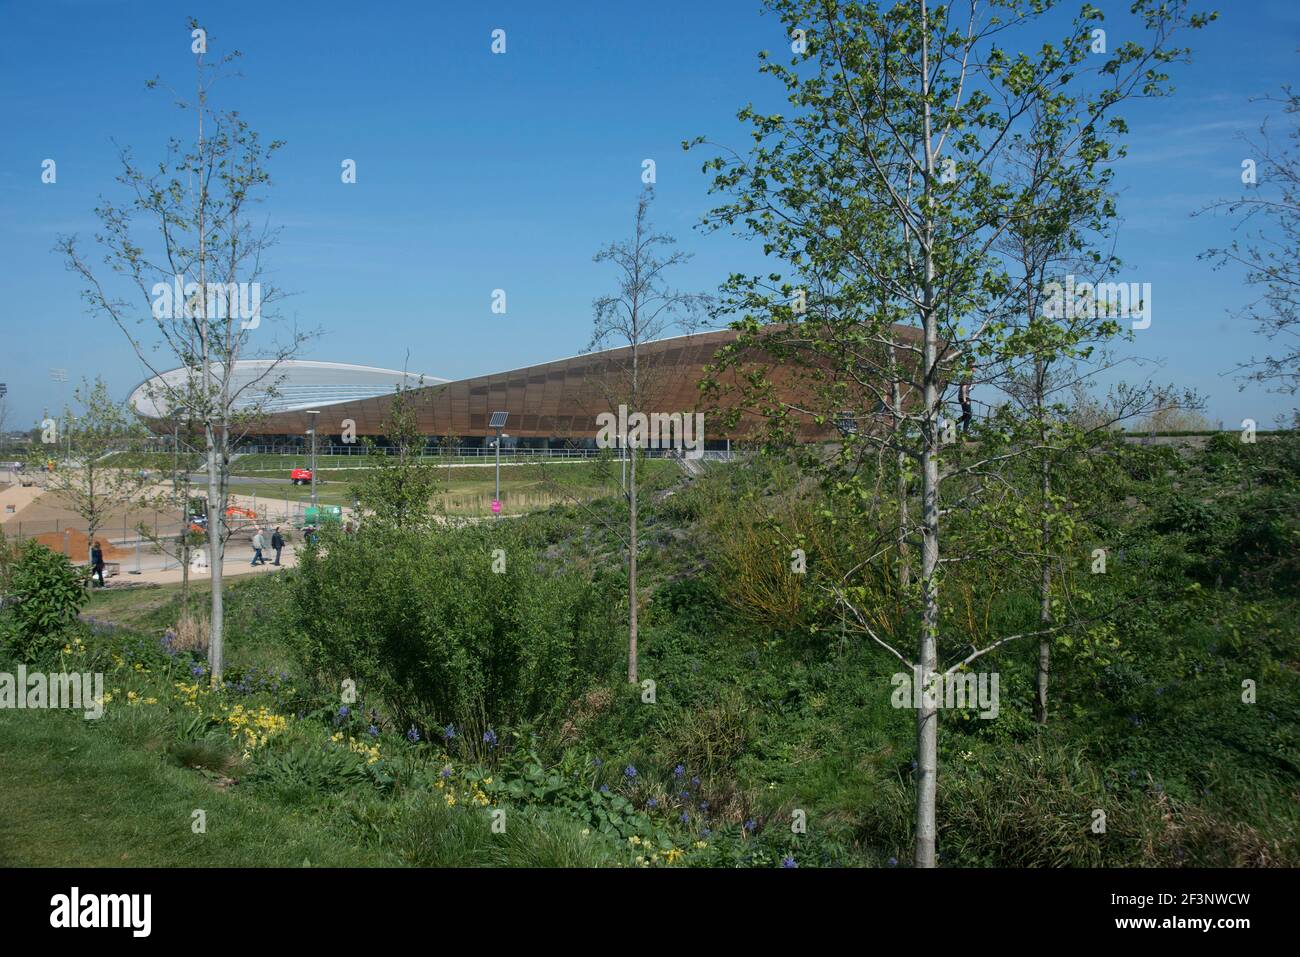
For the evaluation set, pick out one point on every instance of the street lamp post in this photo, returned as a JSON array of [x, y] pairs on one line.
[[313, 413], [498, 422], [61, 375]]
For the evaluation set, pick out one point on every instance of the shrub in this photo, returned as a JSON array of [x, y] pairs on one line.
[[47, 594], [425, 623]]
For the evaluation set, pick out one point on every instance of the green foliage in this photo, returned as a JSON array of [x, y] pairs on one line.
[[300, 771], [602, 467], [1148, 721], [424, 623], [48, 593], [396, 489]]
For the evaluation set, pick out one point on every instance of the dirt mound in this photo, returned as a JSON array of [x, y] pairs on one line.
[[79, 546]]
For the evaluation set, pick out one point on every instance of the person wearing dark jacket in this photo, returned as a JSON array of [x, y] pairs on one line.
[[277, 542], [97, 564]]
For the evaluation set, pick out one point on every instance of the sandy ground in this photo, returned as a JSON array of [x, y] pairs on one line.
[[238, 559], [37, 515]]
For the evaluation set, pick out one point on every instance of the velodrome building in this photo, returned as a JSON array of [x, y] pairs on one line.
[[552, 404]]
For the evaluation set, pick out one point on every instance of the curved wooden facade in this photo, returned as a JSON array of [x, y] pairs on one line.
[[560, 400]]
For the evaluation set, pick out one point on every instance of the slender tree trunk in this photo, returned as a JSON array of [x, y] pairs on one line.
[[927, 718], [631, 586], [1045, 568], [216, 646], [185, 554], [632, 517], [1045, 621], [900, 490]]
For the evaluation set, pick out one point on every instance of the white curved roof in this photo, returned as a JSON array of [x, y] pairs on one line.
[[290, 385]]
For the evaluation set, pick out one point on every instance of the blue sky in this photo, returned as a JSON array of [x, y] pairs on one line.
[[478, 172]]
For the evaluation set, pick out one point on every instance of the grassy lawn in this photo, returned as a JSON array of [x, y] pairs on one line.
[[280, 464], [122, 791], [524, 488], [74, 796]]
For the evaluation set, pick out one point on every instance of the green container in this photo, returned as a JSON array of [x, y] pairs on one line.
[[318, 515]]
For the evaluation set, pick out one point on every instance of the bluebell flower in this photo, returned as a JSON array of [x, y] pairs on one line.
[[629, 771], [373, 731], [490, 738], [788, 861], [444, 773], [679, 771], [750, 825], [604, 789], [686, 817], [651, 803], [695, 782], [449, 732], [893, 862], [344, 711], [413, 735], [704, 805]]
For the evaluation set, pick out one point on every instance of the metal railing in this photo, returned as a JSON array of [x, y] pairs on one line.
[[466, 452]]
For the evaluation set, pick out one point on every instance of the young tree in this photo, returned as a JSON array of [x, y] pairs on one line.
[[447, 446], [642, 310], [201, 284], [88, 480], [1271, 253], [398, 488], [602, 466], [889, 182]]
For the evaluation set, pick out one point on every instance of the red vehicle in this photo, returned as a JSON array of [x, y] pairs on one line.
[[301, 476]]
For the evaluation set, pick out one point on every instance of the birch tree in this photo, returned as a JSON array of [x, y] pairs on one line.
[[1268, 247], [187, 283], [642, 310], [398, 489], [884, 192], [91, 480]]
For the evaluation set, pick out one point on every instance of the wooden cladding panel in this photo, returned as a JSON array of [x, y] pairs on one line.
[[555, 399]]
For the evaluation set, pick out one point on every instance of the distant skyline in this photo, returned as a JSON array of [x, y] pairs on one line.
[[478, 172]]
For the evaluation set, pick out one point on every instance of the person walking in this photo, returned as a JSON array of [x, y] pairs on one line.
[[97, 564], [259, 543], [963, 397], [277, 542]]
